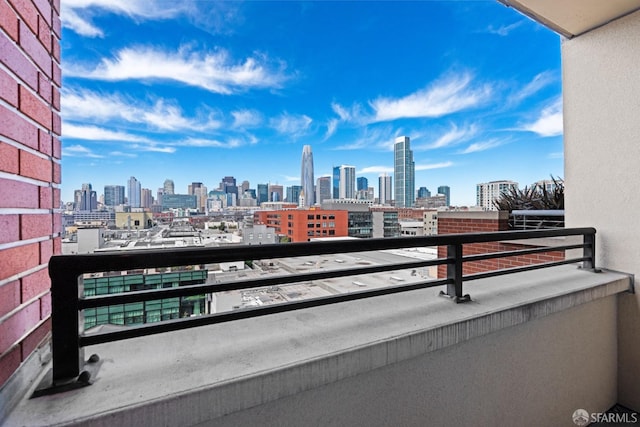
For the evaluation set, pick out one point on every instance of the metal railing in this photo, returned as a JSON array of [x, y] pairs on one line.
[[68, 300], [536, 219]]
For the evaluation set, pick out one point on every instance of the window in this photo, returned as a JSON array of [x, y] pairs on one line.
[[309, 216], [310, 225], [332, 232]]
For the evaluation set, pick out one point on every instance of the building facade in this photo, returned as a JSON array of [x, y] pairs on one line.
[[306, 176], [134, 192], [347, 183], [301, 225], [446, 191], [404, 173], [113, 195], [385, 195], [323, 189], [487, 192]]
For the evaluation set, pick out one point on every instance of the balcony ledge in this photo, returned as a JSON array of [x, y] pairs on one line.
[[195, 376]]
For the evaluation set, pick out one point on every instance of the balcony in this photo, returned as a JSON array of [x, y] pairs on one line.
[[391, 355]]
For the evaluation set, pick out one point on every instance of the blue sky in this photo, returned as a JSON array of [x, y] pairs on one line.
[[197, 90]]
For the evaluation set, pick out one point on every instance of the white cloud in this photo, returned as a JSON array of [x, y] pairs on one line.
[[79, 151], [453, 136], [549, 123], [82, 26], [203, 142], [292, 125], [246, 118], [446, 96], [433, 166], [214, 71], [122, 154], [482, 146], [154, 148], [539, 82], [161, 114], [376, 169], [504, 30], [556, 155], [290, 178], [95, 133]]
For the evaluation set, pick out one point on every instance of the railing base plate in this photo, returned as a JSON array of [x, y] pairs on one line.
[[47, 386], [457, 300]]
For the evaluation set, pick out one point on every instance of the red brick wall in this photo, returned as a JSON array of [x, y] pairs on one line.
[[297, 227], [29, 173], [467, 222]]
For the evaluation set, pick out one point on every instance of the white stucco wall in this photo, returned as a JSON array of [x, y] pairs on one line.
[[601, 85]]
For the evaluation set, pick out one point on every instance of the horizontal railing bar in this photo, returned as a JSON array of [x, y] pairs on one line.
[[506, 254], [178, 324], [60, 265], [183, 291], [512, 270]]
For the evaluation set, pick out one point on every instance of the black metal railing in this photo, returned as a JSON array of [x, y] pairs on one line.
[[536, 219], [68, 300]]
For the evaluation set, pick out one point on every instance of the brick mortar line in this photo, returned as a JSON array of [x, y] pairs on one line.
[[23, 337], [27, 180], [26, 54], [22, 306], [23, 147], [22, 274], [29, 119], [19, 243]]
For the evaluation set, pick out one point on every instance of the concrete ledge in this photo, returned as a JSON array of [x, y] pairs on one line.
[[192, 377]]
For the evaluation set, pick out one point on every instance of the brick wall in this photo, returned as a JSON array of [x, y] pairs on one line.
[[474, 222], [29, 173]]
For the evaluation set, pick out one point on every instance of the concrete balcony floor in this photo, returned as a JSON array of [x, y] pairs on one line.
[[353, 363]]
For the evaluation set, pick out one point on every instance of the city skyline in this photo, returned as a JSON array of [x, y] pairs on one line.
[[236, 95]]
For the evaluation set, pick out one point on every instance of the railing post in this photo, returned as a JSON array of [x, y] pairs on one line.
[[68, 356], [589, 251], [454, 274]]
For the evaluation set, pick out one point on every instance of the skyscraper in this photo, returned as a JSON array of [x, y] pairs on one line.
[[306, 176], [335, 187], [362, 183], [263, 193], [347, 183], [384, 189], [134, 191], [404, 173], [169, 187], [293, 194], [444, 189], [424, 192], [146, 198], [323, 189], [88, 198], [113, 195]]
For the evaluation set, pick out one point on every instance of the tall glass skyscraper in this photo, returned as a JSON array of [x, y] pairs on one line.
[[135, 189], [444, 189], [404, 173], [384, 189], [346, 181], [113, 195], [306, 176], [323, 189]]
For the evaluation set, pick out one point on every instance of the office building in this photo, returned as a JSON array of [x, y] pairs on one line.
[[404, 172], [487, 192], [293, 194], [301, 225], [323, 189], [446, 191], [362, 183], [134, 192], [262, 193], [276, 193], [344, 182], [114, 195], [385, 195], [306, 176], [146, 199], [423, 192], [169, 187], [88, 199]]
